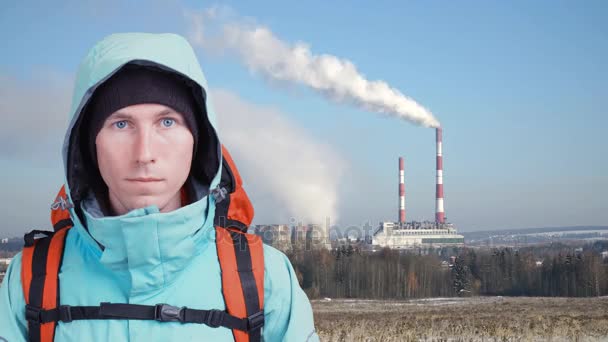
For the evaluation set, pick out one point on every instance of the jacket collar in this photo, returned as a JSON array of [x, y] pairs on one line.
[[152, 246]]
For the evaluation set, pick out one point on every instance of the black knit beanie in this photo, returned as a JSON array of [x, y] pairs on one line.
[[132, 84]]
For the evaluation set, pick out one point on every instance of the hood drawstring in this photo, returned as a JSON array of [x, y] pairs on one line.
[[219, 194]]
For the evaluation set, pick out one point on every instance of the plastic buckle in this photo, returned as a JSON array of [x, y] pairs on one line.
[[32, 314], [215, 318], [65, 314], [168, 313], [255, 321]]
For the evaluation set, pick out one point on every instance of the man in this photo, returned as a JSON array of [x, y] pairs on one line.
[[142, 161]]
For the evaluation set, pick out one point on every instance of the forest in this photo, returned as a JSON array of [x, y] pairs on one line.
[[350, 271]]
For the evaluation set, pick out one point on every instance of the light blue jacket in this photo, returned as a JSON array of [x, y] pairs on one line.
[[151, 257]]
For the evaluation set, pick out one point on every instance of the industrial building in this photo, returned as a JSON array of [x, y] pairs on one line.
[[403, 234], [285, 237], [275, 235]]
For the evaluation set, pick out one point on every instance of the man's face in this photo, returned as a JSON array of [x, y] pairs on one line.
[[144, 154]]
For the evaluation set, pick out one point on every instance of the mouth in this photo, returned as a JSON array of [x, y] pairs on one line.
[[144, 179]]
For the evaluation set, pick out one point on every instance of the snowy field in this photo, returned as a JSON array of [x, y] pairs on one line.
[[463, 319]]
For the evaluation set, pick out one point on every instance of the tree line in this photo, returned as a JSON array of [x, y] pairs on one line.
[[352, 272]]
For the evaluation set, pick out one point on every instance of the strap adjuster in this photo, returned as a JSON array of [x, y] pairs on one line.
[[30, 237], [255, 321], [32, 314], [65, 313], [215, 318], [168, 313]]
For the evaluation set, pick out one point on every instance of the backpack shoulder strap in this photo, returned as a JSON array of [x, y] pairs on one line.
[[241, 258], [41, 261], [233, 208]]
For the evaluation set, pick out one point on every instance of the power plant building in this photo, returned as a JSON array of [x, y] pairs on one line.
[[416, 234]]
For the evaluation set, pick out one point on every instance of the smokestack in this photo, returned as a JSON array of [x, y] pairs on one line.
[[439, 214], [401, 191]]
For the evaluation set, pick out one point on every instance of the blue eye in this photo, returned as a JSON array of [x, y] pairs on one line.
[[168, 122], [120, 124]]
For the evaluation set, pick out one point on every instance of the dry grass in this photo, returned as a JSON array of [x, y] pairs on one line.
[[463, 319]]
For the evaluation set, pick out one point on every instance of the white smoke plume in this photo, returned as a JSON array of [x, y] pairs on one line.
[[336, 78], [287, 174]]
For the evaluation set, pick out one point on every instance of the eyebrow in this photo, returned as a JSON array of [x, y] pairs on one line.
[[123, 115]]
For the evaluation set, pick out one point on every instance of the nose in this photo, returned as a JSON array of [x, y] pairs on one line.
[[144, 153]]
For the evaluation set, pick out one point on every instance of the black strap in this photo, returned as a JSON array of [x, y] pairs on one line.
[[242, 252], [158, 312], [63, 224]]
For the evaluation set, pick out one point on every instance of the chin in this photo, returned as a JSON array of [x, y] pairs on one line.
[[146, 201], [126, 202]]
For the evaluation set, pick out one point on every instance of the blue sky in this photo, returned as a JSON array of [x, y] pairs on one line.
[[519, 87]]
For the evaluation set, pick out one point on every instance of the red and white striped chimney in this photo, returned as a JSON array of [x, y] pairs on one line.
[[439, 213], [401, 191]]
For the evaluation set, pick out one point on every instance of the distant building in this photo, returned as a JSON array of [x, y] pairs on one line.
[[4, 240], [416, 234], [605, 255], [5, 261], [285, 237], [275, 235]]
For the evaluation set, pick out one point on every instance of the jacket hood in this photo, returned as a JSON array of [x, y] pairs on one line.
[[150, 246], [164, 52]]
